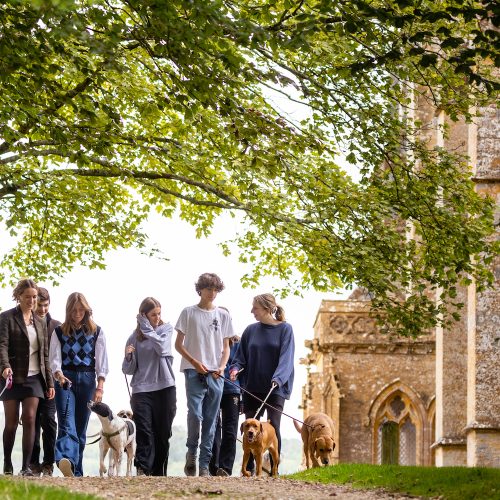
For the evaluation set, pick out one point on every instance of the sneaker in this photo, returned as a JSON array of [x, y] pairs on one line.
[[190, 467], [66, 467], [139, 471], [36, 469], [26, 472], [222, 473], [204, 472], [47, 470]]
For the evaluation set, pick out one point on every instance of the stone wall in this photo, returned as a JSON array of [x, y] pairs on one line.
[[354, 363], [483, 402]]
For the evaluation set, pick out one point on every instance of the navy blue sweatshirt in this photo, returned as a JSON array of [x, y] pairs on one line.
[[266, 354]]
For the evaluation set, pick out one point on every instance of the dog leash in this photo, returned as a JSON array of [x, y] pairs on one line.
[[273, 386], [264, 402], [128, 387], [8, 384]]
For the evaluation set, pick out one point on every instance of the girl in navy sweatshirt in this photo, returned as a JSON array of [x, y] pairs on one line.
[[266, 353]]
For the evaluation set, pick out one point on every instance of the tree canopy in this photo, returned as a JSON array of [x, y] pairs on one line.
[[109, 108]]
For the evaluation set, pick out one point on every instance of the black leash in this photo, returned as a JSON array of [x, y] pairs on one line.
[[93, 442], [263, 401], [128, 387]]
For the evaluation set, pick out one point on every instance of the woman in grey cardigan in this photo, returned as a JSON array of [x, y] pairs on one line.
[[148, 358]]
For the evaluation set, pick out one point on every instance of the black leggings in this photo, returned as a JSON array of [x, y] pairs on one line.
[[251, 405], [154, 413], [28, 416]]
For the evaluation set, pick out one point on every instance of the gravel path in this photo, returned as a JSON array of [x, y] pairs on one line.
[[212, 487]]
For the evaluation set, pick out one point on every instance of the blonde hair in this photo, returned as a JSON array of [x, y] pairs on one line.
[[268, 302], [23, 284], [77, 298]]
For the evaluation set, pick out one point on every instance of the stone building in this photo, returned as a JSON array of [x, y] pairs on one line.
[[378, 390], [430, 400]]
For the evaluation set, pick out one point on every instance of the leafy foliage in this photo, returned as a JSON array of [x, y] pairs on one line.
[[109, 108]]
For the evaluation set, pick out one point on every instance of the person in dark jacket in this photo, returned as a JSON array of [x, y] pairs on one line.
[[46, 413], [266, 353], [24, 360], [226, 432]]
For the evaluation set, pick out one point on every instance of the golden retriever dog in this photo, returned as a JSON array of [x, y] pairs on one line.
[[317, 439], [257, 438]]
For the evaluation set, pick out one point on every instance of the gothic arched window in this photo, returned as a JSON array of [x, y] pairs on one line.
[[396, 431]]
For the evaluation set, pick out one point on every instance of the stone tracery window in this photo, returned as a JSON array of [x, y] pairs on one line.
[[396, 431]]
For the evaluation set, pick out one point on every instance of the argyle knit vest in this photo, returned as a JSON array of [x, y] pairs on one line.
[[78, 349]]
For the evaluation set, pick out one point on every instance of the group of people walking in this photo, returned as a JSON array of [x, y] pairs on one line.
[[36, 351]]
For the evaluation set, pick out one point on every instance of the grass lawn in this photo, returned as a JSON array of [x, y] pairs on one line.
[[15, 489], [450, 483]]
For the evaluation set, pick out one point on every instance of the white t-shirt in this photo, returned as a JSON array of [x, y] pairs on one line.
[[204, 333], [34, 362]]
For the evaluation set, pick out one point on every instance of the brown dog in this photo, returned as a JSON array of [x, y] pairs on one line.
[[317, 438], [257, 438]]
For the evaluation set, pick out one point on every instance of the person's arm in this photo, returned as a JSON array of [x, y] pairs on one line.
[[160, 338], [129, 364], [50, 393], [179, 347], [283, 371], [101, 365], [224, 357], [239, 360], [55, 359], [5, 367]]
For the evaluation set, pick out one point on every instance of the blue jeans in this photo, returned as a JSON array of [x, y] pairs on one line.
[[73, 417], [203, 394]]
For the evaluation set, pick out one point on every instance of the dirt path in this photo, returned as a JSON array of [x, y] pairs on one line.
[[212, 487]]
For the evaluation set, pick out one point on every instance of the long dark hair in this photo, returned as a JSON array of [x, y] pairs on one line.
[[147, 305]]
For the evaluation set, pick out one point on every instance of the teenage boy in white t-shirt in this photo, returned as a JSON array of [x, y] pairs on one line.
[[203, 333]]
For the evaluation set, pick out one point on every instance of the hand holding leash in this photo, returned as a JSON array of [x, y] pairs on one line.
[[8, 381], [233, 375], [64, 382], [199, 367]]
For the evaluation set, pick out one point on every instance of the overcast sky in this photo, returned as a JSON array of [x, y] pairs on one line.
[[115, 294]]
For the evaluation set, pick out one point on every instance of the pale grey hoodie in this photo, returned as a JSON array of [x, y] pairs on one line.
[[151, 363]]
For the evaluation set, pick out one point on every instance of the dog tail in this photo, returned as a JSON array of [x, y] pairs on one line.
[[297, 426]]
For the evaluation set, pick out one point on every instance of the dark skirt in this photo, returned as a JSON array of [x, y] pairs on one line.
[[31, 388]]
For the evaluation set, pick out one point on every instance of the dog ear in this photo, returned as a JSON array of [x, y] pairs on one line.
[[315, 445], [241, 427], [261, 427]]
